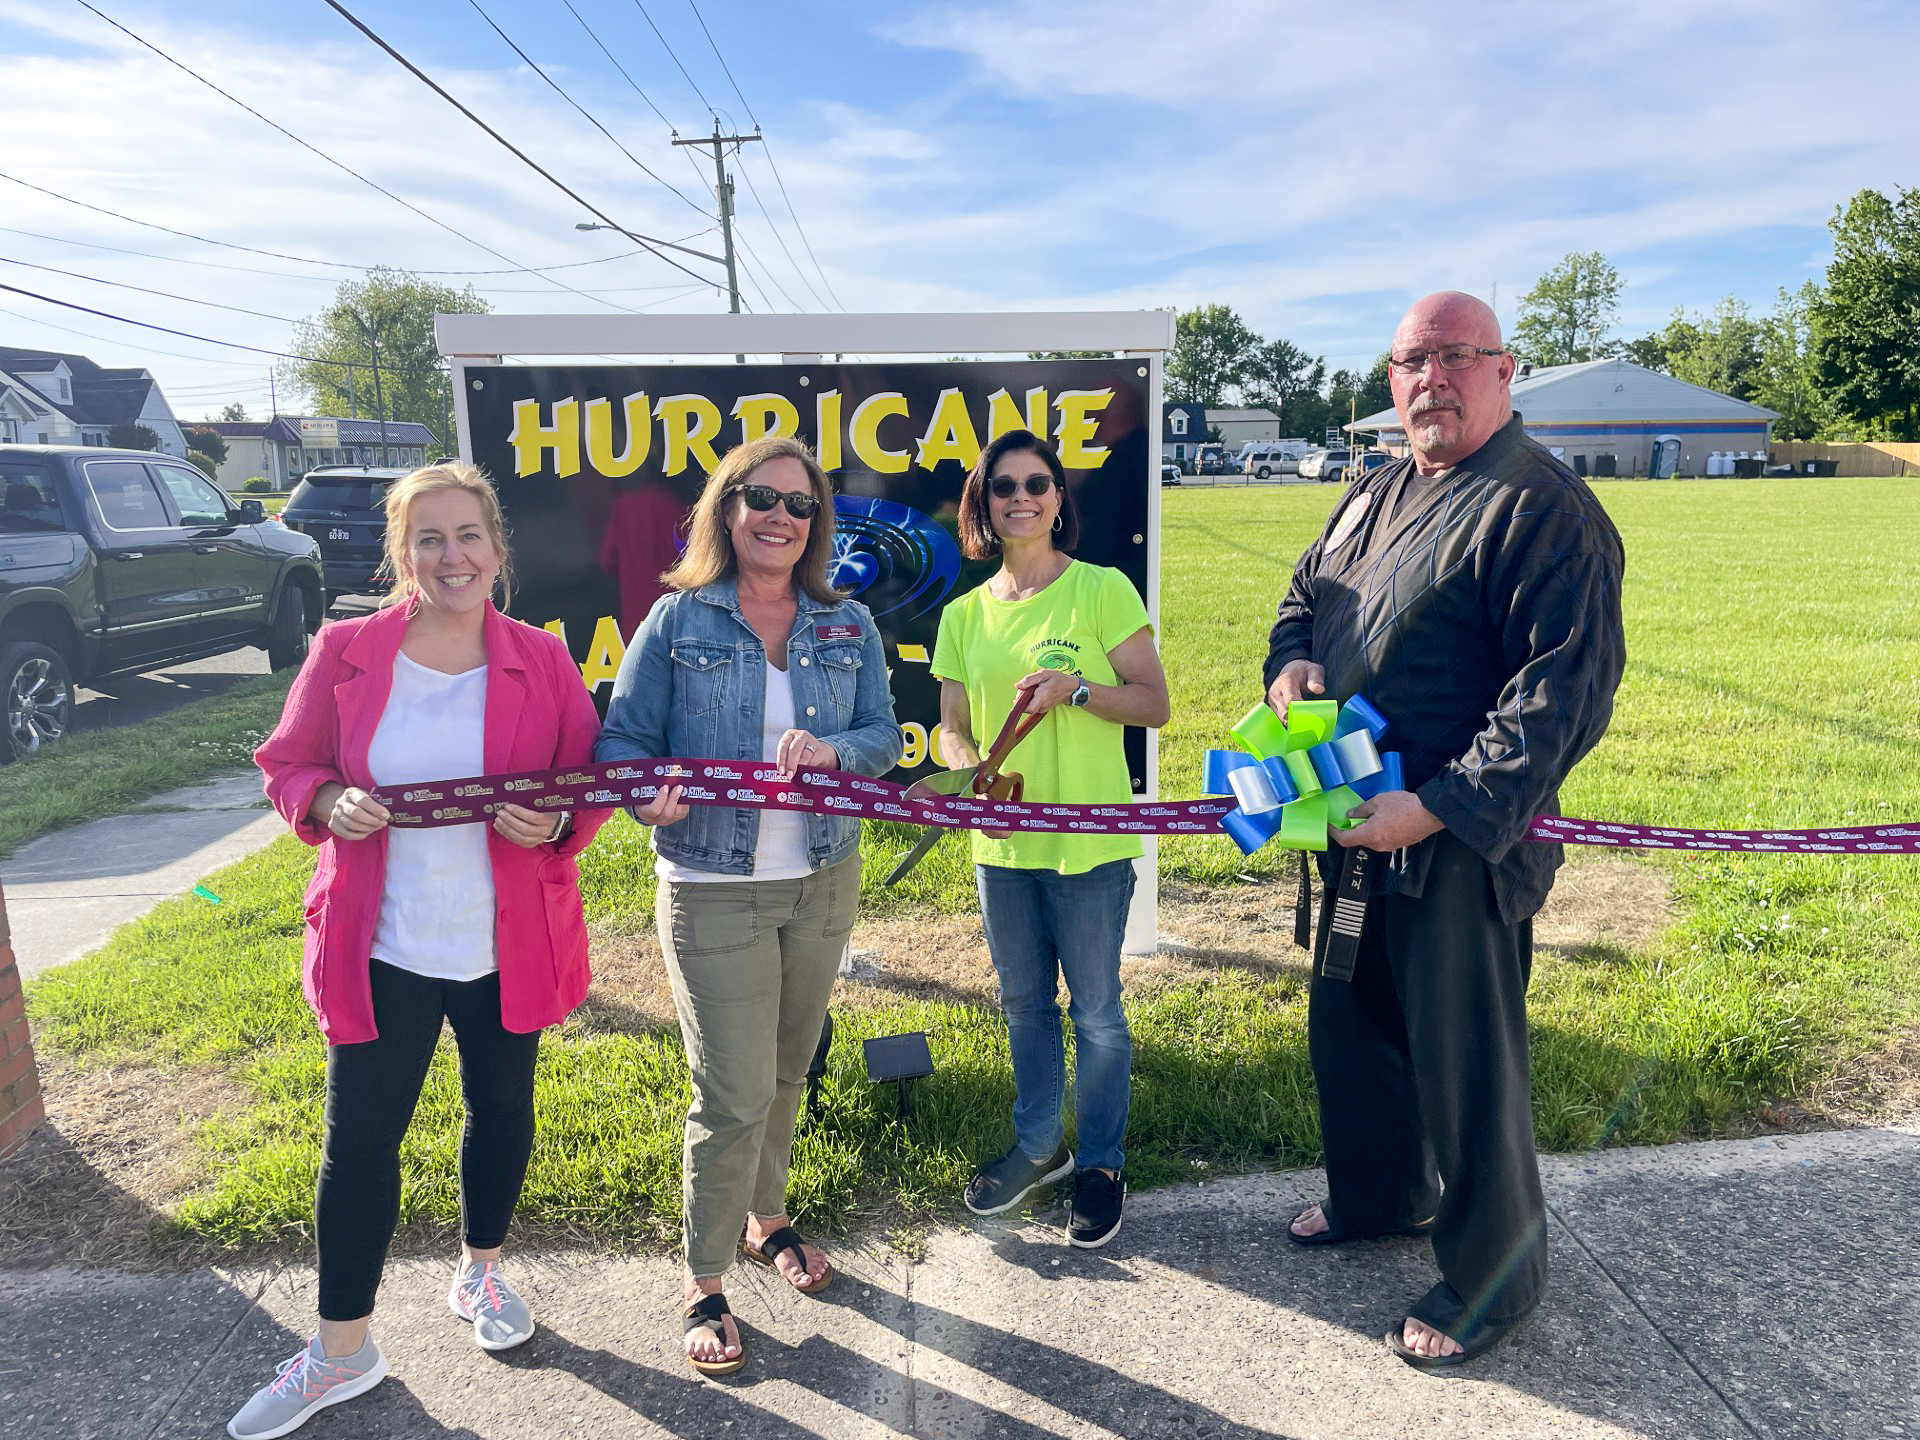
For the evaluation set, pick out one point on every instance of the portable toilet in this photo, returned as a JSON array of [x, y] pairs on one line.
[[1666, 457]]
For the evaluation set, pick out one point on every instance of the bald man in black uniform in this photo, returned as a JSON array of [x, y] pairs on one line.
[[1471, 591]]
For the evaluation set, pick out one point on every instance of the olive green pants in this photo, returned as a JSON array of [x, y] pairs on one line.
[[752, 963]]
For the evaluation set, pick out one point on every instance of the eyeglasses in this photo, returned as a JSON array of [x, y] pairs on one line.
[[800, 505], [1003, 486], [1451, 357]]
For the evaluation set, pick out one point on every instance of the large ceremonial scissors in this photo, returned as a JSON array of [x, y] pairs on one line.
[[986, 778]]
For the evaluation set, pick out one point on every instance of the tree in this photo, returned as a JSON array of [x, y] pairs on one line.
[[1070, 354], [1867, 321], [208, 442], [1213, 348], [1569, 313], [1285, 379], [128, 435], [1718, 350], [393, 311], [235, 412], [1786, 377], [1352, 394]]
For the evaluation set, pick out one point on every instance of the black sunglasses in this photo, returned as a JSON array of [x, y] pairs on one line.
[[1004, 485], [800, 505]]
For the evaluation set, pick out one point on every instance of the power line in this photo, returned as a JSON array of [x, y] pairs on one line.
[[335, 280], [144, 349], [163, 294], [520, 154], [727, 70], [561, 92], [754, 190], [675, 58], [183, 334], [338, 164], [616, 64]]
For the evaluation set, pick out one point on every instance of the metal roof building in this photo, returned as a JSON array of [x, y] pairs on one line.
[[1603, 418]]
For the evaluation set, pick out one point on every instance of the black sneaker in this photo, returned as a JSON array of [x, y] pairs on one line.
[[1098, 1199], [1010, 1179]]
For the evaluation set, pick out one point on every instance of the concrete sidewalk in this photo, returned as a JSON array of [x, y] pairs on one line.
[[1732, 1289], [68, 891]]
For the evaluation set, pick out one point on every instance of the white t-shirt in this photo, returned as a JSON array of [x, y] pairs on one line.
[[781, 852], [436, 911]]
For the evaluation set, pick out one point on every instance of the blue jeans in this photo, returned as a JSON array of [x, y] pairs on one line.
[[1041, 924]]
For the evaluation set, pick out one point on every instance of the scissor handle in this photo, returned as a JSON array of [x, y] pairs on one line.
[[1009, 786], [1018, 726]]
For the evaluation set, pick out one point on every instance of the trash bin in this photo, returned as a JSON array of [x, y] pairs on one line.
[[1823, 468], [1748, 469]]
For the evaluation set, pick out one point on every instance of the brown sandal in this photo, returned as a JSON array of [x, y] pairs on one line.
[[785, 1238]]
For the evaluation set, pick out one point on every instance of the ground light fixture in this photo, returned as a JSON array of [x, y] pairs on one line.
[[899, 1060]]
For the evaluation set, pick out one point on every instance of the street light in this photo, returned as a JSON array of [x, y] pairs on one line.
[[649, 240]]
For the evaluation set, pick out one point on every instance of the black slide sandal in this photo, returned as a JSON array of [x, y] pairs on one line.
[[1334, 1235], [1442, 1308]]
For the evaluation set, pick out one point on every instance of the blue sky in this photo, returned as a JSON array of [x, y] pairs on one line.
[[1316, 166]]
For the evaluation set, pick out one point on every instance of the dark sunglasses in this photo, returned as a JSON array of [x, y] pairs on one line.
[[1003, 486], [800, 505]]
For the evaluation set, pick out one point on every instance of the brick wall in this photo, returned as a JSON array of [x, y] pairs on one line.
[[20, 1105]]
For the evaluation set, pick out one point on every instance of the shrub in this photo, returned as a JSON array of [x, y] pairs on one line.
[[257, 485], [205, 462], [129, 436]]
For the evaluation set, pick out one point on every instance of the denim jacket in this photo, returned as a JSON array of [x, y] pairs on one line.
[[693, 683]]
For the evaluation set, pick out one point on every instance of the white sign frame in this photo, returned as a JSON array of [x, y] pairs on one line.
[[1146, 335]]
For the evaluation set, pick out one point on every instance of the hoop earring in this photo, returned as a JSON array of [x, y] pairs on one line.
[[1056, 520]]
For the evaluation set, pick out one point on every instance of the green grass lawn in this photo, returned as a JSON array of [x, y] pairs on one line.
[[1773, 680], [109, 771]]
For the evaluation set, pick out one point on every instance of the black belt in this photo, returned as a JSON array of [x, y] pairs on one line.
[[1349, 899]]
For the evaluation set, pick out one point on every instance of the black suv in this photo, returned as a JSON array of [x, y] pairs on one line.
[[343, 507], [114, 561]]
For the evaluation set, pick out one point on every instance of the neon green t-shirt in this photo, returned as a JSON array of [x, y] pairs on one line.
[[990, 645]]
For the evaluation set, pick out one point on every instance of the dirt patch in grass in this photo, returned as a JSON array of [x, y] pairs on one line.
[[91, 1187], [1881, 1087], [1601, 906]]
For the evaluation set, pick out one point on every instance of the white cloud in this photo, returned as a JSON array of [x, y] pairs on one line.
[[1314, 165]]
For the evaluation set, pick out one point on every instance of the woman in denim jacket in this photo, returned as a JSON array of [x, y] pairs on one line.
[[755, 658]]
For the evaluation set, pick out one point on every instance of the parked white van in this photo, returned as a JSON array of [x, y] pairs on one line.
[[1262, 460]]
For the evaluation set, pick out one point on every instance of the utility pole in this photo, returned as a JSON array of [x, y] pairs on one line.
[[723, 193], [371, 329]]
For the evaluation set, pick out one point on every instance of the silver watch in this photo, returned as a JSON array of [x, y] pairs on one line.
[[1080, 696]]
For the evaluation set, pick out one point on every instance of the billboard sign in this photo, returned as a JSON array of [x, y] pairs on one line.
[[598, 464]]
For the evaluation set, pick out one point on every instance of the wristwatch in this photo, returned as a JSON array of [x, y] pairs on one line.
[[562, 827], [1080, 696]]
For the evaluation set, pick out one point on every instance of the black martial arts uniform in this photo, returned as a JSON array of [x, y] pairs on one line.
[[1479, 610]]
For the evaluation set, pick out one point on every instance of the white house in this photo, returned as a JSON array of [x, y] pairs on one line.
[[78, 402]]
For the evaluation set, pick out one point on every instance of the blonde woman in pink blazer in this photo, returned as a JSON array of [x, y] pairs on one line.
[[478, 925]]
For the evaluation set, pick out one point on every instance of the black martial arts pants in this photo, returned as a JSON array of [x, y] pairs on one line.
[[1421, 1063]]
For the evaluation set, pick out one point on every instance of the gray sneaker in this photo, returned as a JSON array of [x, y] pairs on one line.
[[481, 1294], [308, 1382]]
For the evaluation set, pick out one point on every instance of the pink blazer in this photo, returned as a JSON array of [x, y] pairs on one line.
[[538, 716]]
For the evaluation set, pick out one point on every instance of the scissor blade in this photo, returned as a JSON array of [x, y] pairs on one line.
[[917, 854], [943, 782]]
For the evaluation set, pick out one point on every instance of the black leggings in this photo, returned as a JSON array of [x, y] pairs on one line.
[[371, 1091]]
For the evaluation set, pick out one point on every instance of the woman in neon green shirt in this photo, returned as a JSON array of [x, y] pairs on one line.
[[1077, 637]]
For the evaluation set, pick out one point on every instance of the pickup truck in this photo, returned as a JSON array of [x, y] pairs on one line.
[[114, 561]]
